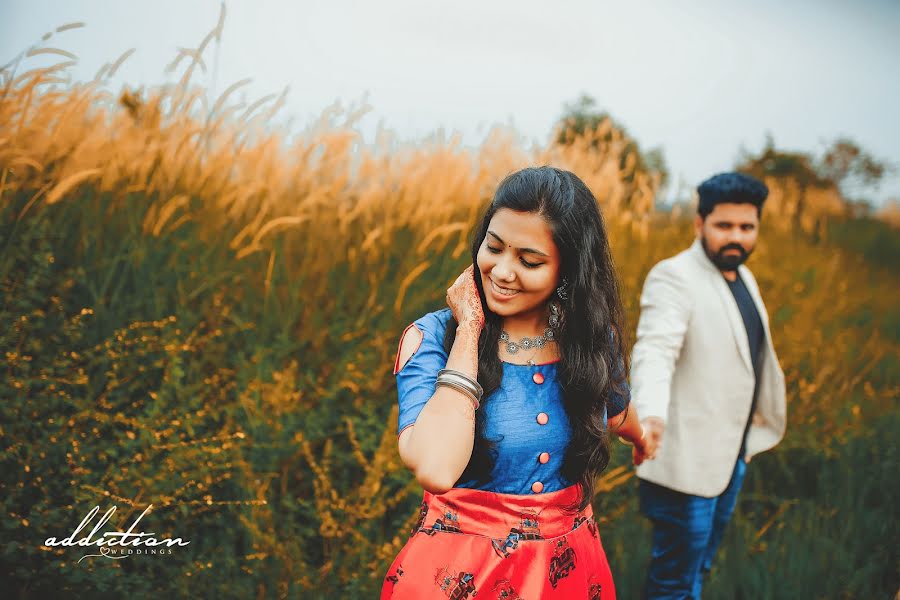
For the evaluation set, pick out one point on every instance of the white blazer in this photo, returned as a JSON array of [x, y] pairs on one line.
[[691, 367]]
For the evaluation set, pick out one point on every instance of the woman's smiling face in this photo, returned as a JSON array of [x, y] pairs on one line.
[[519, 263]]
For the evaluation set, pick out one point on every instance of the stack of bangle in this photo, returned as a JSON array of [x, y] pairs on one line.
[[629, 442], [461, 382]]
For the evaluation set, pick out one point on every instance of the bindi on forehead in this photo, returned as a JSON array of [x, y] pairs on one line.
[[523, 250]]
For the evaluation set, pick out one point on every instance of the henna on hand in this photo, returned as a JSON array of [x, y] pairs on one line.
[[464, 301]]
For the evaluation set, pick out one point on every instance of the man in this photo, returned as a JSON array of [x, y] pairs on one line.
[[706, 381]]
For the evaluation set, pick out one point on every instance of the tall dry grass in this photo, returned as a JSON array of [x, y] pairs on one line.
[[328, 196]]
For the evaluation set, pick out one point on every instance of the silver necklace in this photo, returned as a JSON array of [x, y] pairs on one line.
[[527, 343]]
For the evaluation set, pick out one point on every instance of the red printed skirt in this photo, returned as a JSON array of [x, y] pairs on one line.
[[476, 544]]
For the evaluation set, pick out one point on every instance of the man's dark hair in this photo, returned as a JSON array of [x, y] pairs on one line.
[[731, 188]]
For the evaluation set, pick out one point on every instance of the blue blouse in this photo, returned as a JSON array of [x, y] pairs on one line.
[[525, 415]]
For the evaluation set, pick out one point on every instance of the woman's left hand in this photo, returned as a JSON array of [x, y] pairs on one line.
[[642, 450]]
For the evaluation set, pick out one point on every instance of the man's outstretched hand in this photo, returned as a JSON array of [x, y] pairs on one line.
[[654, 427]]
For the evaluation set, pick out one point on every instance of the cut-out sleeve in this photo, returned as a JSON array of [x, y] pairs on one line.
[[416, 378]]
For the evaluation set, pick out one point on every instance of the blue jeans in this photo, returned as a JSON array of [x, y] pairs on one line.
[[687, 531]]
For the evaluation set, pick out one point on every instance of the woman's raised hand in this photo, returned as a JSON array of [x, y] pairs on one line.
[[463, 300]]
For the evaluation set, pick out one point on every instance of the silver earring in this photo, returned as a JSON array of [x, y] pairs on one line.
[[562, 291], [553, 320]]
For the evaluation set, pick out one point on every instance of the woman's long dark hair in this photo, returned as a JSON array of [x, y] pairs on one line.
[[593, 360]]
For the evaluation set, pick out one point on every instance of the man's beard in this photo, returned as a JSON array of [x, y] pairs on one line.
[[727, 262]]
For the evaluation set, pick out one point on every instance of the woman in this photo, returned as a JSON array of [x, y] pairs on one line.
[[505, 398]]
